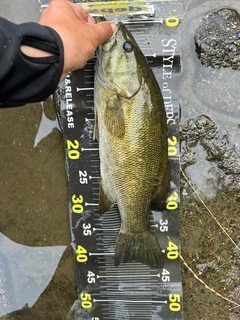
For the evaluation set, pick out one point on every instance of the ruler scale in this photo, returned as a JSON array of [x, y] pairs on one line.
[[131, 290]]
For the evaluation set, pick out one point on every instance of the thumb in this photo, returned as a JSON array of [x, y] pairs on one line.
[[104, 31]]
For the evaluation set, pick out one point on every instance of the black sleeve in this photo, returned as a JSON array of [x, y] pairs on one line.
[[24, 79]]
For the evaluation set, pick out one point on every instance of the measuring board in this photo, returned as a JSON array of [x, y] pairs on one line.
[[131, 290]]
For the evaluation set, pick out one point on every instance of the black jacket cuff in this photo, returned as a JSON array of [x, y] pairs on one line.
[[25, 79]]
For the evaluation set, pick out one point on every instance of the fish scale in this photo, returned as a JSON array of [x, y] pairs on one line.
[[132, 290]]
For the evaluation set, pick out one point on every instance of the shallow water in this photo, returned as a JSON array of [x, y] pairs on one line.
[[35, 250]]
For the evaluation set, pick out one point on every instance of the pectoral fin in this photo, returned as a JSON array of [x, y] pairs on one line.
[[104, 202], [114, 117]]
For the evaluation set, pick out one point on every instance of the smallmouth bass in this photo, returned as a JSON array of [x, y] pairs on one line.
[[131, 127]]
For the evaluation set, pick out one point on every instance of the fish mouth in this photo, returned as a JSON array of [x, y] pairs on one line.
[[110, 44], [119, 24]]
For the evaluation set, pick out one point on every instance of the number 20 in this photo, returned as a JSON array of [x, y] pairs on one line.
[[72, 147]]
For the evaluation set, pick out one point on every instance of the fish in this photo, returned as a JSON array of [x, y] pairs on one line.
[[131, 128]]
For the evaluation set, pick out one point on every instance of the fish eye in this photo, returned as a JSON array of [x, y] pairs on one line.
[[127, 46]]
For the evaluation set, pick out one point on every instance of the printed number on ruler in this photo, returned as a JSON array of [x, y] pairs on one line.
[[91, 278], [81, 254], [73, 152], [87, 229], [174, 300], [172, 249], [165, 275], [172, 149], [172, 201], [77, 204], [86, 300], [172, 21], [83, 177]]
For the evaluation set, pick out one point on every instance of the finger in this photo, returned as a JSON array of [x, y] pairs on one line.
[[91, 20], [104, 30]]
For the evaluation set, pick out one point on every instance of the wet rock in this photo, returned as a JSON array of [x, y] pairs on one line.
[[203, 130], [188, 156], [198, 128], [218, 39]]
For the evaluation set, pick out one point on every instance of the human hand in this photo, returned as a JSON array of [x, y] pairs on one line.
[[78, 30]]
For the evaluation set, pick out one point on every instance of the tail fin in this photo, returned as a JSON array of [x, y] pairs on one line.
[[139, 247]]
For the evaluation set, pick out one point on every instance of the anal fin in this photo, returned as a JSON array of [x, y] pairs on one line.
[[161, 192], [104, 202], [159, 198]]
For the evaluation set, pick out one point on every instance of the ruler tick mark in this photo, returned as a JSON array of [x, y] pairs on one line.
[[89, 149], [131, 301], [101, 254], [83, 89]]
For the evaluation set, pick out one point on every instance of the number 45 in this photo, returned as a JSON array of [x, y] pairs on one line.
[[165, 275]]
